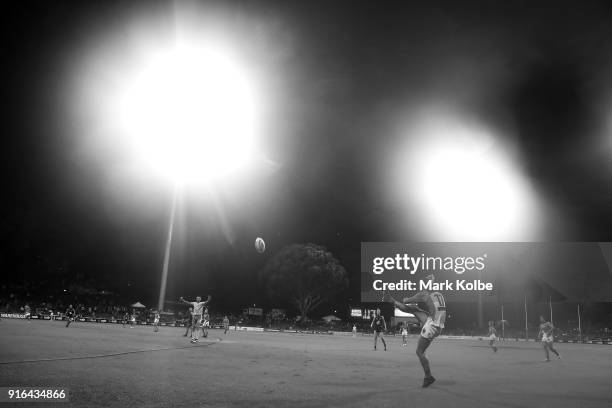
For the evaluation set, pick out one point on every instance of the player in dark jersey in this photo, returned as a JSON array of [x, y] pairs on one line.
[[492, 336], [380, 326], [188, 321], [70, 314], [432, 319], [546, 332]]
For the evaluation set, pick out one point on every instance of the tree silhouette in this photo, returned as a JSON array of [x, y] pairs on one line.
[[305, 275]]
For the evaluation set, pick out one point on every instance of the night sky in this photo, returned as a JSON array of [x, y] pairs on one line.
[[343, 75]]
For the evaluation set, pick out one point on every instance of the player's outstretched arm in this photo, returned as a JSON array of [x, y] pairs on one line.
[[401, 306], [182, 299], [208, 299]]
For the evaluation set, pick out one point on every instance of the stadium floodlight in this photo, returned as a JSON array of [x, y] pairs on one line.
[[188, 113], [462, 182], [182, 108]]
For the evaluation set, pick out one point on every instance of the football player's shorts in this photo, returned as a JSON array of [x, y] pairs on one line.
[[196, 319], [547, 338], [492, 337], [430, 331]]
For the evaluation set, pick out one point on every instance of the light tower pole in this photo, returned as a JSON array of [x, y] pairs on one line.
[[164, 278]]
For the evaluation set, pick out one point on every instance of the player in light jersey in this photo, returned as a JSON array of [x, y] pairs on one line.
[[225, 324], [432, 320], [205, 322], [492, 336], [380, 326], [156, 322], [404, 336], [198, 309], [546, 331], [27, 311]]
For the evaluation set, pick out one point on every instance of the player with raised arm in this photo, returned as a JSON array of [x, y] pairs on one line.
[[492, 336], [546, 332], [404, 335], [432, 320], [380, 326], [198, 309]]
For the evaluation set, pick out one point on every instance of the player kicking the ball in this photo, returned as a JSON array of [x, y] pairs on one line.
[[432, 320], [546, 331], [198, 309]]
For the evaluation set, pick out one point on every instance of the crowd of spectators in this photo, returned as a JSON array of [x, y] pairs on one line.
[[94, 304], [14, 298]]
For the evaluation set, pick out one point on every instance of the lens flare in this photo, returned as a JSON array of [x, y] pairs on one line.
[[457, 179]]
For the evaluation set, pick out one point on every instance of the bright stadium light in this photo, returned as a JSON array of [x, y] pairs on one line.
[[188, 113], [470, 191], [178, 105], [461, 184]]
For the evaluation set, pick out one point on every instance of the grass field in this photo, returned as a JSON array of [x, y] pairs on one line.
[[108, 365]]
